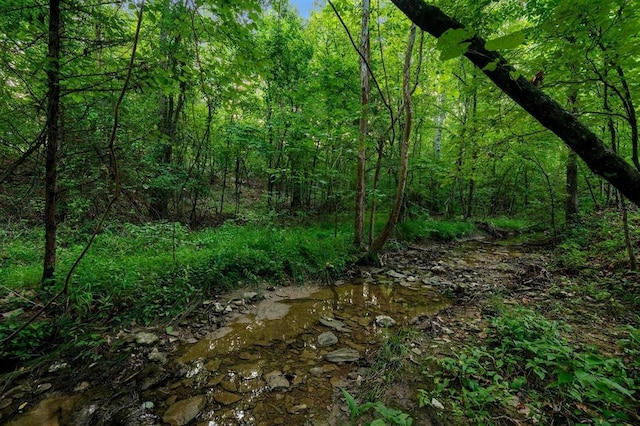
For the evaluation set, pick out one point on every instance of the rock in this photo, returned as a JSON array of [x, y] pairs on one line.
[[182, 412], [437, 404], [82, 387], [385, 321], [334, 323], [56, 366], [394, 274], [218, 308], [254, 386], [438, 269], [246, 356], [229, 308], [297, 409], [248, 371], [250, 296], [213, 365], [343, 355], [308, 355], [157, 356], [327, 339], [275, 380], [216, 380], [43, 388], [144, 338], [226, 398], [148, 405], [317, 371], [229, 386]]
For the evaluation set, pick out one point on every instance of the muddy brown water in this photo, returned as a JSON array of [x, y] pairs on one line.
[[264, 367]]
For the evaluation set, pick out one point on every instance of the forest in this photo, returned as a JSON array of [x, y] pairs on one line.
[[388, 212]]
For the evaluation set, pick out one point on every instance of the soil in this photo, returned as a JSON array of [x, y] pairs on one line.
[[252, 358]]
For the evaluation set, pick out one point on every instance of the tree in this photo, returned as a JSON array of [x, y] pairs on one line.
[[53, 113], [365, 59], [548, 112]]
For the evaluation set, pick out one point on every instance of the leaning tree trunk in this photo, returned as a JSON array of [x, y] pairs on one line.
[[53, 112], [548, 112], [404, 149]]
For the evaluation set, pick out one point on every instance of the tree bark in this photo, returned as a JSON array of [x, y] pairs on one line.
[[53, 112], [358, 237], [545, 110]]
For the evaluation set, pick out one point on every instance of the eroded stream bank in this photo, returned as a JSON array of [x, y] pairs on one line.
[[280, 360]]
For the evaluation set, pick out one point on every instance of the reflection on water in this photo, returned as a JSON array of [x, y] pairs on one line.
[[355, 302]]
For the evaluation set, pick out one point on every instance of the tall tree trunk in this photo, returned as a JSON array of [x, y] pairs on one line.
[[439, 123], [474, 149], [404, 149], [53, 112], [548, 112], [571, 202], [358, 237]]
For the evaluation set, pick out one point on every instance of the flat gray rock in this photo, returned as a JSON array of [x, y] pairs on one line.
[[327, 338], [343, 355], [275, 380]]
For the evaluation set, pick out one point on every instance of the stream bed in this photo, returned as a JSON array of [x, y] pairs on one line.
[[281, 360]]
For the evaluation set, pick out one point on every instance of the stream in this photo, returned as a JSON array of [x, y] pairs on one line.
[[279, 357]]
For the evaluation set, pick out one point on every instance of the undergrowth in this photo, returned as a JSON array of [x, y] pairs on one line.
[[526, 367], [144, 273], [425, 229]]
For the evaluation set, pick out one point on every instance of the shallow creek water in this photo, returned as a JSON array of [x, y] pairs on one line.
[[264, 367]]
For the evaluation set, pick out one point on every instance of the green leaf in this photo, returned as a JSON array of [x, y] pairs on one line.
[[491, 66], [452, 43], [378, 422], [518, 383], [509, 41]]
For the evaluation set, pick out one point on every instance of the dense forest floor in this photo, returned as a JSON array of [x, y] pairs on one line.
[[488, 332]]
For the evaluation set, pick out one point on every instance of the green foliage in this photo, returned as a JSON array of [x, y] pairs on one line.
[[29, 343], [527, 366], [510, 223], [509, 41], [439, 230], [453, 43], [153, 271], [384, 414]]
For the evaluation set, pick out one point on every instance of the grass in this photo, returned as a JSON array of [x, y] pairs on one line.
[[425, 229], [149, 272]]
